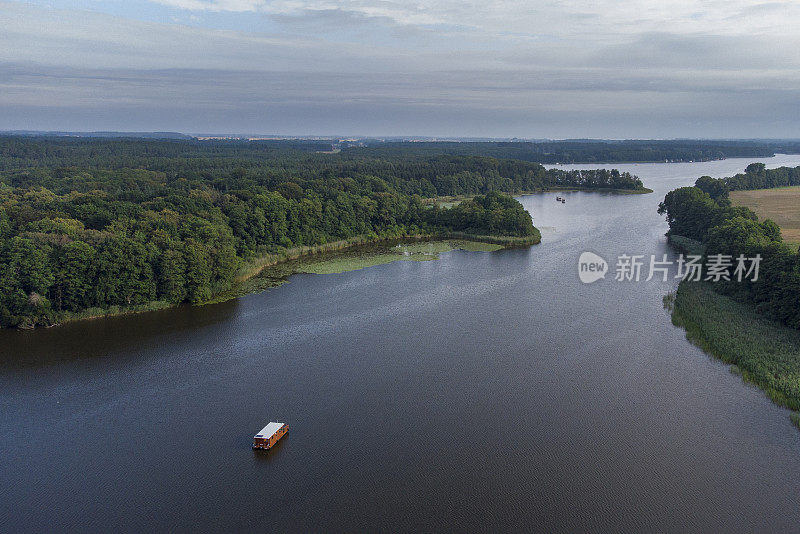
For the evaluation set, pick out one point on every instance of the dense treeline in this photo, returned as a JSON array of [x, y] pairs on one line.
[[182, 155], [585, 151], [704, 213], [755, 176], [272, 163], [74, 239], [168, 155], [492, 214]]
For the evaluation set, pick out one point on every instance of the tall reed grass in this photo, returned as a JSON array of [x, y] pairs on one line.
[[766, 352]]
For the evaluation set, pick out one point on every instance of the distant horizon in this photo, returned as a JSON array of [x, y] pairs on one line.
[[393, 137]]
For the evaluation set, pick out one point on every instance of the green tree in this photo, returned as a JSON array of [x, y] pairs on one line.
[[74, 280], [199, 271], [172, 276], [125, 276], [717, 188]]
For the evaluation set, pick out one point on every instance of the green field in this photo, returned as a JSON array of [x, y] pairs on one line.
[[781, 204]]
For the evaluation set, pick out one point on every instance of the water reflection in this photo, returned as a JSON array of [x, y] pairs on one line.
[[106, 336]]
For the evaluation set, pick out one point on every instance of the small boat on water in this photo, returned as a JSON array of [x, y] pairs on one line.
[[269, 435]]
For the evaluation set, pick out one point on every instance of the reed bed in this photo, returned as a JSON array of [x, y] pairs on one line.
[[765, 352]]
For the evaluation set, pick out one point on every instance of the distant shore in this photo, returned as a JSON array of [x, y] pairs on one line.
[[449, 200]]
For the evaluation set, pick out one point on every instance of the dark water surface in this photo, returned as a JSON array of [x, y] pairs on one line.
[[483, 391]]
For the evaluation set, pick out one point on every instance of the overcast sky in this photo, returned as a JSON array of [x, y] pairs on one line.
[[571, 68]]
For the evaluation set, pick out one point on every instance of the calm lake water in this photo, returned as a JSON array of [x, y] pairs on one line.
[[483, 391]]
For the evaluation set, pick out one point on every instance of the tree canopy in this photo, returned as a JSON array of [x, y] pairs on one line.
[[733, 231], [118, 224]]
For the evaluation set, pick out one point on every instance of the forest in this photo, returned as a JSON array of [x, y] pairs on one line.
[[587, 151], [115, 224], [138, 150], [704, 213]]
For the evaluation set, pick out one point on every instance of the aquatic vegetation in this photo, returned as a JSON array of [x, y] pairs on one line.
[[350, 259], [476, 246], [420, 251], [669, 301], [340, 264], [766, 352], [371, 256]]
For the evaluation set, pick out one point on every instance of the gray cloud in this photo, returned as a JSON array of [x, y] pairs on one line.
[[479, 103], [605, 69], [702, 51]]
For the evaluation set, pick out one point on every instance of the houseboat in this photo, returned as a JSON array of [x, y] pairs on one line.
[[269, 435]]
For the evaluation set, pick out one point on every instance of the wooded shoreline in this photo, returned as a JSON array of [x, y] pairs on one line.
[[256, 266]]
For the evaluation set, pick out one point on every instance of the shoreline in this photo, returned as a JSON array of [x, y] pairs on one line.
[[256, 266], [642, 191], [259, 265], [761, 351], [459, 198]]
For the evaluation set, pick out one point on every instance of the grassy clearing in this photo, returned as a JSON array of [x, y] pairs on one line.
[[766, 353], [781, 204]]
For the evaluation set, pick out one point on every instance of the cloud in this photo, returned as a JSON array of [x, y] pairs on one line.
[[605, 18], [677, 67], [445, 103], [67, 38], [215, 5], [704, 52]]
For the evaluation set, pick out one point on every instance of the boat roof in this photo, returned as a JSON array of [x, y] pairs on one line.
[[269, 430]]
